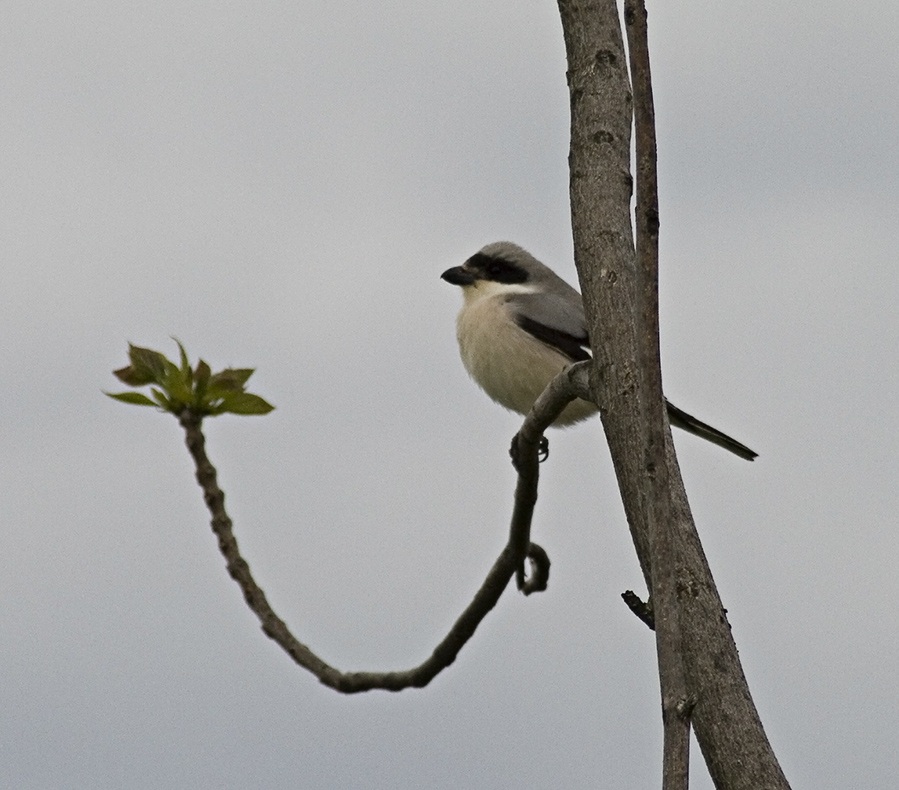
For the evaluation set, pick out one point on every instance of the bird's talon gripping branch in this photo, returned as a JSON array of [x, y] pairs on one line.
[[543, 451], [516, 450], [515, 453]]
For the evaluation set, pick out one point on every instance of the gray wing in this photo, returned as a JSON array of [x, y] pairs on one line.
[[555, 319]]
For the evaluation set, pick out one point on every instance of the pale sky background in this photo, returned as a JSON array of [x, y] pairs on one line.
[[280, 185]]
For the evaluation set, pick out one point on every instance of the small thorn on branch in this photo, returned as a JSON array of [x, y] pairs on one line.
[[642, 609]]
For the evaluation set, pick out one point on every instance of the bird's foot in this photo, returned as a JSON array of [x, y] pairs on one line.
[[515, 451], [543, 450]]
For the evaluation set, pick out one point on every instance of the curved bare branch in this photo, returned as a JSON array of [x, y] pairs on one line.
[[510, 561]]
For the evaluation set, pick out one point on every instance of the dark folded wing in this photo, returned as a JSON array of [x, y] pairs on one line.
[[557, 321]]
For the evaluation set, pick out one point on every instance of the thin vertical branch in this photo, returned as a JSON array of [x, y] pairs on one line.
[[662, 539]]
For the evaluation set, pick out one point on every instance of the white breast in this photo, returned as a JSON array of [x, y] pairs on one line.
[[510, 365]]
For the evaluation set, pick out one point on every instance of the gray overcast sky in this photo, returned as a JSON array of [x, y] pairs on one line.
[[279, 185]]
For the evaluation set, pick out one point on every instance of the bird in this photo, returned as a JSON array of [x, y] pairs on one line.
[[521, 325]]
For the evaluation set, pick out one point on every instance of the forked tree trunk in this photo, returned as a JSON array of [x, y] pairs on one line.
[[702, 679]]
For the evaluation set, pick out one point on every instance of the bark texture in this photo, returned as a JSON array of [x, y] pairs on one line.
[[714, 689]]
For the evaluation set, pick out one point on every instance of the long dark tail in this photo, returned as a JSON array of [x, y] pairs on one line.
[[690, 424]]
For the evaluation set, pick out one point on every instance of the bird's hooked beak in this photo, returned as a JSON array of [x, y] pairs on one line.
[[459, 275]]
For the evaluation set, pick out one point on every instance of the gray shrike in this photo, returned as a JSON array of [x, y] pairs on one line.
[[521, 324]]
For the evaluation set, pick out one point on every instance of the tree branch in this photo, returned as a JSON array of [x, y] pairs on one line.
[[727, 725], [662, 541], [600, 189], [568, 385]]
